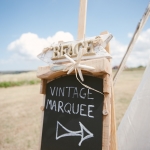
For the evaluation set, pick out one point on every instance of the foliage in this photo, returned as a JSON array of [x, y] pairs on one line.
[[6, 84]]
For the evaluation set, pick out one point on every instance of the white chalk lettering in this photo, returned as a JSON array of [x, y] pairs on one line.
[[60, 105], [51, 103], [69, 90], [73, 109], [62, 91], [56, 91], [72, 92], [81, 110], [89, 94], [52, 91], [75, 92], [89, 111], [69, 110], [83, 95]]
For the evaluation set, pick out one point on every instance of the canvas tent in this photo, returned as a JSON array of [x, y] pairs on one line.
[[134, 130]]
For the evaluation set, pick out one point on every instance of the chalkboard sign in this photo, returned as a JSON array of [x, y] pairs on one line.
[[73, 117]]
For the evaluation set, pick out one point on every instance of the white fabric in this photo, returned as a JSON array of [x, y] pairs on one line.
[[134, 130]]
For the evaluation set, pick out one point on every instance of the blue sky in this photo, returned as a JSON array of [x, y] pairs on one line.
[[42, 19]]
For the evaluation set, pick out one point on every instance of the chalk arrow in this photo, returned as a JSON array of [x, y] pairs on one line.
[[74, 133]]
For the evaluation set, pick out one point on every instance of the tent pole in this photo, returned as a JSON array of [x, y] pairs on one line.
[[132, 42]]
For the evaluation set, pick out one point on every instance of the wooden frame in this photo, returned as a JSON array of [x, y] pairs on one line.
[[102, 70]]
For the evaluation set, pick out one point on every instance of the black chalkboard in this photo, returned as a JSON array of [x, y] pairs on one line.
[[73, 115]]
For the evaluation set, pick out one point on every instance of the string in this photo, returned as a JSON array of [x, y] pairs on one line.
[[77, 67], [86, 85], [105, 111]]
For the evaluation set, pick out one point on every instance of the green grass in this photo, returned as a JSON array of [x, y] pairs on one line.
[[6, 84]]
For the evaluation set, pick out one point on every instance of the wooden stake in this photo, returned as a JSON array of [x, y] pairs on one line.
[[113, 137], [132, 42], [82, 19], [41, 127], [43, 86], [107, 47], [42, 91]]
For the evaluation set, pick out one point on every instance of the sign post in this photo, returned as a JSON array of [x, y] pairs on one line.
[[78, 104], [82, 19]]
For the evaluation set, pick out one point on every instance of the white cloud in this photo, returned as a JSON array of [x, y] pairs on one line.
[[141, 52], [130, 35], [139, 55], [117, 51], [143, 42], [30, 45], [27, 47]]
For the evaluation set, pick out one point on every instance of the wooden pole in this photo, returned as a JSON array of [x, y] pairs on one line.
[[132, 42], [43, 86], [41, 127], [82, 19], [113, 136]]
